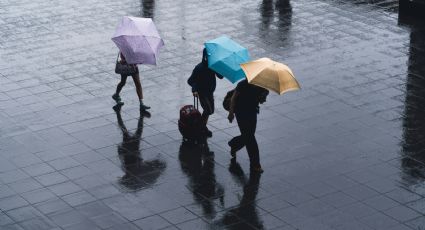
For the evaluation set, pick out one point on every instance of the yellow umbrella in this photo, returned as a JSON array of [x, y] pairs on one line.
[[271, 75]]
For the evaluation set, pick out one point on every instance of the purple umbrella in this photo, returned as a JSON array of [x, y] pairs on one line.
[[138, 40]]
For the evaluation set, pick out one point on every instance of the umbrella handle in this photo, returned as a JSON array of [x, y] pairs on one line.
[[197, 102]]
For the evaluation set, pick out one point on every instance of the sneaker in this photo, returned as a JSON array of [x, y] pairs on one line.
[[144, 107], [256, 169], [117, 99]]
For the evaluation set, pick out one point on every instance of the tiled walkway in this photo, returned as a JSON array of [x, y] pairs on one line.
[[345, 152]]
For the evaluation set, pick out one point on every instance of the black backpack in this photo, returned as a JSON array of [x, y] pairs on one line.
[[227, 99]]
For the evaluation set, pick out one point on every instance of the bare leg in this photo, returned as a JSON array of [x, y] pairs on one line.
[[139, 91], [136, 80]]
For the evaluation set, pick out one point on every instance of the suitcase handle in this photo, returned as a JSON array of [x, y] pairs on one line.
[[197, 102]]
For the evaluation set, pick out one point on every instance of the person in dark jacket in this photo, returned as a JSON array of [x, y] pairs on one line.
[[203, 85], [245, 104]]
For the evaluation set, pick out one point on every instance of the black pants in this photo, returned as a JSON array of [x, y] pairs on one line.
[[247, 126]]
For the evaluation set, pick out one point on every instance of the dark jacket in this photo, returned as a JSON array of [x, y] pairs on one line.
[[248, 99], [203, 79]]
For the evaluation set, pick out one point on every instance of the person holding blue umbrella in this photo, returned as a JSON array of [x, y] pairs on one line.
[[225, 56], [203, 83]]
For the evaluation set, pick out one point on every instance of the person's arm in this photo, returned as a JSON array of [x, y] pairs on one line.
[[192, 81], [219, 75], [231, 115], [122, 58]]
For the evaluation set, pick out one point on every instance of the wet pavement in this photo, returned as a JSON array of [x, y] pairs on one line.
[[345, 152]]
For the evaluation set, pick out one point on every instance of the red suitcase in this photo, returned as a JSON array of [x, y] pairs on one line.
[[190, 121]]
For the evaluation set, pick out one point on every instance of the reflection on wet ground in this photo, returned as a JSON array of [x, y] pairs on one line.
[[244, 215], [345, 152], [413, 145], [197, 162], [147, 8], [276, 33], [137, 172]]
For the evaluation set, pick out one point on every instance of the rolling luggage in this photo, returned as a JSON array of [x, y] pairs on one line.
[[190, 122]]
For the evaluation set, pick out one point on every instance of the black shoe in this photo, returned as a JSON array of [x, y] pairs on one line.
[[144, 107], [117, 99]]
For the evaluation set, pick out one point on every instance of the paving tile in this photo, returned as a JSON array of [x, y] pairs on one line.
[[360, 192], [64, 188], [54, 205], [26, 160], [12, 202], [87, 224], [109, 220], [38, 195], [379, 221], [399, 227], [152, 223], [193, 224], [128, 226], [67, 218], [5, 220], [380, 203], [417, 223], [318, 189], [51, 179], [24, 213], [6, 191], [38, 169], [402, 213], [418, 206], [13, 176], [178, 215], [38, 223], [12, 227], [78, 198], [103, 191], [64, 163], [25, 185], [338, 199], [273, 203], [402, 196], [358, 210]]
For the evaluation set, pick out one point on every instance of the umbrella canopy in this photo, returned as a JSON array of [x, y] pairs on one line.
[[271, 75], [225, 57], [138, 40]]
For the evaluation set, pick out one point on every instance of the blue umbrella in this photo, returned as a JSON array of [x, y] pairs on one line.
[[225, 57]]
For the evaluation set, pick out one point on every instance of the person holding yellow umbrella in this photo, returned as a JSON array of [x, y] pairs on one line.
[[245, 104], [261, 75]]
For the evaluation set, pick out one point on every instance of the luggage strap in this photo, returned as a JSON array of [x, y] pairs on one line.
[[197, 102]]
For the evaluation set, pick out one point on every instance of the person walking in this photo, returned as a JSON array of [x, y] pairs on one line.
[[245, 104], [203, 83], [136, 80]]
